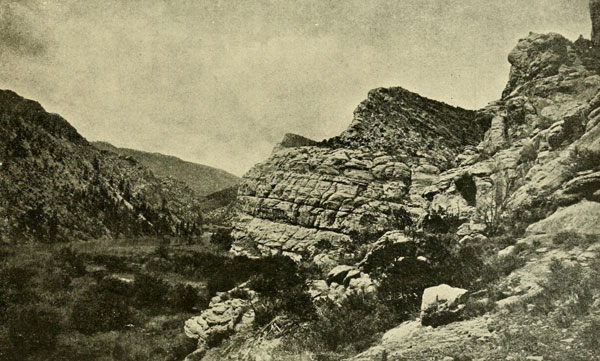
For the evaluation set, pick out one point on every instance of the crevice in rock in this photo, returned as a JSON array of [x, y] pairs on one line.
[[467, 188]]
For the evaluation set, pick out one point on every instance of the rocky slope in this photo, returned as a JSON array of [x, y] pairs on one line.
[[203, 179], [406, 160], [327, 199], [526, 166], [56, 186]]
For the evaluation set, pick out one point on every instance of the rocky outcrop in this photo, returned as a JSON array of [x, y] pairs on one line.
[[292, 141], [314, 200], [583, 217], [226, 314], [442, 304], [349, 190]]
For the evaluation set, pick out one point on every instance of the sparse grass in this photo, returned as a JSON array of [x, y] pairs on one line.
[[570, 239], [539, 331]]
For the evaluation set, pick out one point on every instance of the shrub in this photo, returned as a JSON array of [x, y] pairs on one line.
[[498, 267], [162, 251], [115, 285], [282, 286], [572, 239], [71, 262], [276, 273], [402, 286], [352, 325], [222, 238], [98, 310], [581, 159], [528, 153], [568, 292], [240, 293], [590, 335], [32, 328], [180, 347], [183, 297], [221, 281], [15, 287], [149, 291]]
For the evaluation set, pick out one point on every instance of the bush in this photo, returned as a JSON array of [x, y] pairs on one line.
[[149, 291], [71, 262], [528, 153], [402, 286], [15, 287], [32, 328], [350, 326], [590, 335], [221, 281], [222, 238], [572, 239], [498, 267], [183, 298], [98, 310], [282, 287], [581, 159], [568, 292]]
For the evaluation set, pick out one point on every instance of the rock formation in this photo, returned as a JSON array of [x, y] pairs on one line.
[[407, 162], [329, 198], [442, 304]]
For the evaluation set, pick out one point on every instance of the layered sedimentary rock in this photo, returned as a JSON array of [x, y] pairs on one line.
[[330, 197], [406, 160]]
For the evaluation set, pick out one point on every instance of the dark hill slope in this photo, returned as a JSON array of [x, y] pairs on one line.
[[55, 186], [203, 179]]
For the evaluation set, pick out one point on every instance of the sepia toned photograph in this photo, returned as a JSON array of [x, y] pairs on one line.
[[309, 180]]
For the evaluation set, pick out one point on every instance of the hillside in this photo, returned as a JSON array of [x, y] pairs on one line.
[[203, 179], [56, 186]]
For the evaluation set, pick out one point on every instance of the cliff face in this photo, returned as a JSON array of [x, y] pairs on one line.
[[328, 199], [406, 160]]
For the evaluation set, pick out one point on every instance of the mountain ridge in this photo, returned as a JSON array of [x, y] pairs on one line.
[[203, 179], [57, 187]]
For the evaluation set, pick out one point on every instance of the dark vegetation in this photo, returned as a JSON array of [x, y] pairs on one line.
[[333, 330], [581, 159], [103, 302]]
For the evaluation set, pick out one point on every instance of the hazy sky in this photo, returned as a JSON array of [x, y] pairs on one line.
[[221, 82]]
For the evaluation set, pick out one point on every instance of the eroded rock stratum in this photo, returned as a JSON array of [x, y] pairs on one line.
[[405, 158], [330, 197]]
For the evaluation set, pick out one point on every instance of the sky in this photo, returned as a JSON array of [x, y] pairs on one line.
[[220, 82]]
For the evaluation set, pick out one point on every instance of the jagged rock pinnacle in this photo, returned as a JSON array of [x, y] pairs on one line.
[[595, 15]]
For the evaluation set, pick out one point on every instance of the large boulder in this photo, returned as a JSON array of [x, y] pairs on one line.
[[339, 274], [442, 304], [387, 250]]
